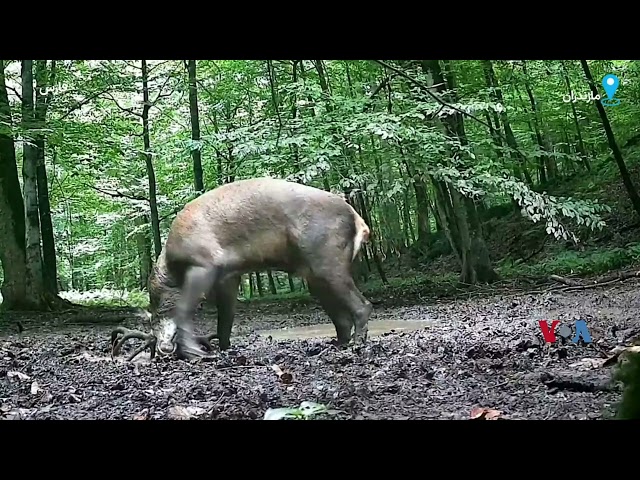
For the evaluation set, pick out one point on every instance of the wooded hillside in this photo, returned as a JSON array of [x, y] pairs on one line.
[[467, 171]]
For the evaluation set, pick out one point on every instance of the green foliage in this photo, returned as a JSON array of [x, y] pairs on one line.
[[568, 262], [628, 372], [108, 297], [306, 411], [322, 125]]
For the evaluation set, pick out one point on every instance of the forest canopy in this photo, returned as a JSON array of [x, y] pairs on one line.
[[97, 157]]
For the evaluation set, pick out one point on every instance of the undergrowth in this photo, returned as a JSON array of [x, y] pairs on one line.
[[566, 263], [513, 248]]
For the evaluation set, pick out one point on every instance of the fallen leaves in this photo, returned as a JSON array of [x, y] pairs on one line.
[[480, 413], [178, 412], [144, 415], [35, 388], [18, 375], [283, 376]]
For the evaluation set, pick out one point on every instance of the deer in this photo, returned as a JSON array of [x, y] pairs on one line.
[[246, 226]]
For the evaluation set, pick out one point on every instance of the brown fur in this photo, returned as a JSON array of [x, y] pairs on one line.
[[252, 225]]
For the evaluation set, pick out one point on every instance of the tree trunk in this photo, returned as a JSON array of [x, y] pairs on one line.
[[153, 203], [547, 163], [195, 127], [491, 80], [30, 181], [259, 284], [624, 173], [272, 283], [467, 234], [144, 250], [44, 81], [12, 225], [583, 151]]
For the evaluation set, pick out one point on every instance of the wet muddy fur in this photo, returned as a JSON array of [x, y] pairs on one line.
[[323, 258]]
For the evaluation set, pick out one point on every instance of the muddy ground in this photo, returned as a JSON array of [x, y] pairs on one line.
[[471, 353]]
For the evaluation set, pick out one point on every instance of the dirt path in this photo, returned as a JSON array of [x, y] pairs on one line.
[[475, 353]]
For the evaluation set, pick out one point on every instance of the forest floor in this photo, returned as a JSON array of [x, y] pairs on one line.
[[470, 353]]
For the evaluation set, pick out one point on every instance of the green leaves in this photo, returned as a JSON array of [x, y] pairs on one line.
[[368, 131], [306, 411]]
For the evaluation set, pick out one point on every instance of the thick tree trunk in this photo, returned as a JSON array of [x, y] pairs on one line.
[[30, 182], [12, 226]]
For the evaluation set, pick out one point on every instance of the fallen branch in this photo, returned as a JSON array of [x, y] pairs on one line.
[[569, 383], [566, 281], [601, 282]]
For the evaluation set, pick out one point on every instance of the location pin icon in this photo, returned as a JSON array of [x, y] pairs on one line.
[[610, 83]]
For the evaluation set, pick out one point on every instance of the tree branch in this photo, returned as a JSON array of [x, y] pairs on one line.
[[128, 110], [160, 94], [82, 103], [426, 88], [14, 91], [118, 194]]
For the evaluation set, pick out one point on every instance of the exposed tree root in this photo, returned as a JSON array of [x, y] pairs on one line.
[[150, 342], [574, 285], [44, 302]]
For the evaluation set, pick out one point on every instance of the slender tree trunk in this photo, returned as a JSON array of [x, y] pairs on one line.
[[583, 151], [617, 155], [547, 164], [272, 283], [144, 250], [259, 284], [44, 81], [198, 176], [512, 143], [153, 202]]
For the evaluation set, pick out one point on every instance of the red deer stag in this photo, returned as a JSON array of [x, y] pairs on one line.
[[247, 226]]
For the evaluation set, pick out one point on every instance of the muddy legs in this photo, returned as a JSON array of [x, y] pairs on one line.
[[226, 297], [197, 282], [222, 296], [340, 317], [345, 305]]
